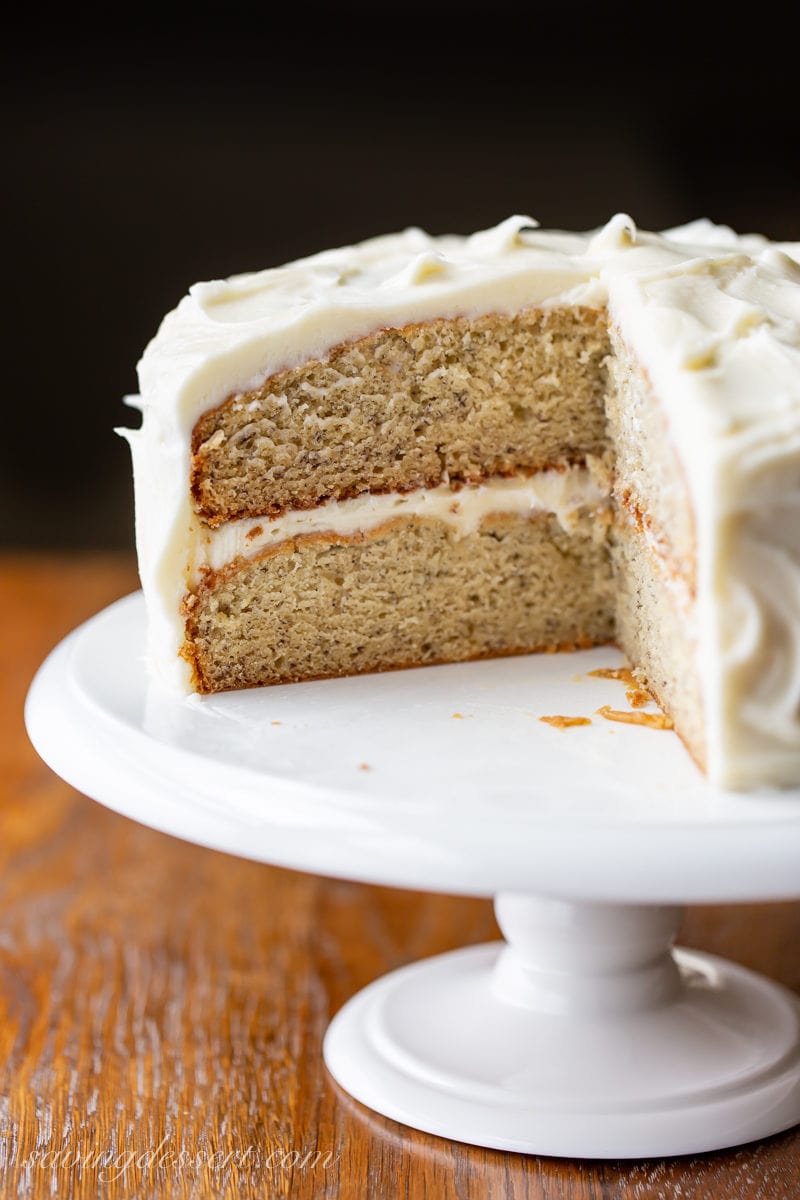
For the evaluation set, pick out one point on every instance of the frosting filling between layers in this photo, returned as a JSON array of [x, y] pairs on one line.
[[567, 493]]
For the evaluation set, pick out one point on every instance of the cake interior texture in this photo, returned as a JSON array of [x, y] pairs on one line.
[[457, 404], [454, 399], [409, 593]]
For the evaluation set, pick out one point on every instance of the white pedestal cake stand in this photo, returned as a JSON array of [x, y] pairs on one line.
[[584, 1034]]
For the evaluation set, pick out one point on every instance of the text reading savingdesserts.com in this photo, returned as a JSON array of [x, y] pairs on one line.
[[168, 1158]]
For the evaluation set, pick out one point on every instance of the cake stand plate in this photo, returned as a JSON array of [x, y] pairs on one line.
[[584, 1033]]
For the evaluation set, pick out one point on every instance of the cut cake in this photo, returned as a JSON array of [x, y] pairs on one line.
[[423, 450]]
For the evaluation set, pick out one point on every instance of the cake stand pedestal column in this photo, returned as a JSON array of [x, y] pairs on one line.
[[583, 1035]]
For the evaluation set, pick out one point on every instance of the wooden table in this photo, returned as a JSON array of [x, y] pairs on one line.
[[162, 1006]]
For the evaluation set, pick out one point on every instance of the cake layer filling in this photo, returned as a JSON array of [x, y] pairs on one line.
[[567, 494]]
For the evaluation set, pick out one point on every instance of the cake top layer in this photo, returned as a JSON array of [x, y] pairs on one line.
[[706, 291]]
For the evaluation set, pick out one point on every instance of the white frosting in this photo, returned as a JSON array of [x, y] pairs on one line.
[[720, 341], [567, 494], [712, 316]]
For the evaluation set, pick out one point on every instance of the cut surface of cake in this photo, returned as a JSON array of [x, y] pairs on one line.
[[422, 450]]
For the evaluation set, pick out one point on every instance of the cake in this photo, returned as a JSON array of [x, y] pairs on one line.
[[423, 449]]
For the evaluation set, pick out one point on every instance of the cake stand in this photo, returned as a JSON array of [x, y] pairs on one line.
[[583, 1034]]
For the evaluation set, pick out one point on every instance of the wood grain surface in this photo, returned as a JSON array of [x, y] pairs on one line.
[[162, 1006]]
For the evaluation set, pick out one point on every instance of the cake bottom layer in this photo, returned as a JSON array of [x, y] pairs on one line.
[[409, 593], [654, 625]]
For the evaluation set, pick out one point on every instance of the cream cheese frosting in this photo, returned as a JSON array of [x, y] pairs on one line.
[[567, 495], [712, 316]]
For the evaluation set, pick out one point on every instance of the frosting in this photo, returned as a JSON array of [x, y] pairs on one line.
[[720, 341], [713, 317], [566, 494]]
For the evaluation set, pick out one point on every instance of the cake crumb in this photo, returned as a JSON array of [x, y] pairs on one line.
[[276, 722], [364, 767], [623, 674], [565, 722], [636, 693], [458, 716], [657, 720], [256, 531]]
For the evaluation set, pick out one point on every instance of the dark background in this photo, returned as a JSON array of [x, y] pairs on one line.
[[210, 142]]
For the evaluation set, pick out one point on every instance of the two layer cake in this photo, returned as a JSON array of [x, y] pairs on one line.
[[422, 450]]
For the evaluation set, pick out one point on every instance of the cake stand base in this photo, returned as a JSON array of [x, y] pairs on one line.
[[584, 1036]]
